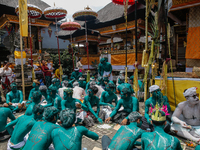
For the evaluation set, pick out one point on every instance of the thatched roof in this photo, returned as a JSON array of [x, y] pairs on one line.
[[13, 3]]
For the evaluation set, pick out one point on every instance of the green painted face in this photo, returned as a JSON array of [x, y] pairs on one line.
[[156, 93], [34, 84], [90, 92], [14, 88]]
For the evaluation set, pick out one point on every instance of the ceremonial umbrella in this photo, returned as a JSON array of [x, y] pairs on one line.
[[85, 15], [70, 26], [55, 13], [34, 12]]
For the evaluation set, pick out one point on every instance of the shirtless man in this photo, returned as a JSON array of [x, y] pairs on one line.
[[189, 125], [78, 92]]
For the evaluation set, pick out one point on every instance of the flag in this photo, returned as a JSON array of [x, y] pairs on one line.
[[23, 18]]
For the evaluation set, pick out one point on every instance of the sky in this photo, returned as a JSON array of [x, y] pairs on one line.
[[76, 5]]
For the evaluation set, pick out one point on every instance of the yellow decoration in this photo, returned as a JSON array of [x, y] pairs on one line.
[[18, 54], [157, 116], [136, 81], [88, 76], [61, 73], [33, 74], [144, 58], [23, 18], [126, 76]]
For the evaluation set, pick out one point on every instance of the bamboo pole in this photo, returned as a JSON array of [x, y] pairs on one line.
[[22, 68]]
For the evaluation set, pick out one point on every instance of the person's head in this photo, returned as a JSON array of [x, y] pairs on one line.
[[13, 86], [102, 61], [65, 83], [121, 79], [64, 77], [68, 93], [110, 87], [135, 117], [75, 84], [92, 91], [48, 60], [6, 63], [125, 93], [43, 62], [36, 83], [92, 79], [38, 112], [131, 79], [122, 73], [158, 118], [43, 89], [29, 61], [67, 117], [76, 69], [52, 90], [79, 59], [37, 95], [105, 79], [51, 114], [100, 79], [92, 83], [57, 82], [155, 91], [106, 59], [191, 96], [53, 81]]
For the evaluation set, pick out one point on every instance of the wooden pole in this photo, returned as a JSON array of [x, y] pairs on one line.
[[22, 68]]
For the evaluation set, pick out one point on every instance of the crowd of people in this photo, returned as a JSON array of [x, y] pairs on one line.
[[58, 113]]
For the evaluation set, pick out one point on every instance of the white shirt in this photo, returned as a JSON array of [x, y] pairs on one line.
[[60, 92], [6, 73], [100, 90], [78, 92], [79, 65]]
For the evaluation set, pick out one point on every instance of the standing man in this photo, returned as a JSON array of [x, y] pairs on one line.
[[47, 73], [105, 69], [76, 74]]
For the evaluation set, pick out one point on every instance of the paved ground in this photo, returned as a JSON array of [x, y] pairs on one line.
[[91, 144]]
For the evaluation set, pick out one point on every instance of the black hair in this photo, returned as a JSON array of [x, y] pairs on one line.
[[38, 109], [94, 89], [158, 123]]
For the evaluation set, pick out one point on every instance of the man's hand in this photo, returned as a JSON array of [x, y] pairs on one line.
[[9, 103], [149, 121], [78, 105], [124, 122], [183, 124], [19, 106], [99, 119], [108, 119]]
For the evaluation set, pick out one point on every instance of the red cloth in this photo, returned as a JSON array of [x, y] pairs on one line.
[[45, 70]]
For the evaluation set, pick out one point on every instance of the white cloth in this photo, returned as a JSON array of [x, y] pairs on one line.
[[100, 90], [19, 145], [190, 92], [108, 111], [16, 104], [4, 73], [18, 61], [79, 65], [60, 92], [78, 93], [153, 88], [106, 74], [81, 115]]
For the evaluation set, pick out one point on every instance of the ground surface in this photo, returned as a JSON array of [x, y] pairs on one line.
[[91, 144]]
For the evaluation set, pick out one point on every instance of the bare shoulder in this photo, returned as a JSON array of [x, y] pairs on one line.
[[182, 104]]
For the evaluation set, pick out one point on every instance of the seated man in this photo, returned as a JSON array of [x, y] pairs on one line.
[[43, 90], [65, 85], [157, 98], [78, 92], [5, 113], [23, 125], [122, 85], [37, 96], [100, 81], [56, 82], [121, 73], [70, 102], [35, 85], [68, 137], [105, 69], [126, 137], [14, 99], [54, 98], [187, 126], [159, 139], [90, 101], [106, 81], [76, 74], [82, 82], [90, 83], [70, 82], [129, 103], [107, 98], [40, 135]]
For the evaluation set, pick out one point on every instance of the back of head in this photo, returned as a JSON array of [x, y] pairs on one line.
[[38, 111], [50, 113], [37, 95], [43, 88], [64, 77], [94, 89], [53, 88], [67, 117], [75, 84], [126, 91], [111, 85], [134, 116], [65, 83]]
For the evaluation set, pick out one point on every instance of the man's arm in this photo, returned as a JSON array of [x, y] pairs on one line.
[[178, 111], [146, 115], [135, 105], [43, 70], [116, 100], [8, 98], [89, 133], [9, 127], [21, 96], [98, 106], [87, 87], [102, 99], [63, 104], [116, 108]]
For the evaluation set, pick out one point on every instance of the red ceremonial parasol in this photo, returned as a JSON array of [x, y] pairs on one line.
[[85, 15], [55, 13], [34, 12], [70, 26], [121, 2]]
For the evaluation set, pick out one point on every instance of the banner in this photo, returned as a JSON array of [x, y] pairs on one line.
[[23, 18]]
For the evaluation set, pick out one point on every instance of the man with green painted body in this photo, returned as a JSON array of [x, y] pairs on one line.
[[157, 98], [122, 85], [40, 135], [107, 98], [43, 90], [36, 100], [5, 113], [70, 102], [14, 99], [82, 82], [36, 85], [90, 83], [129, 103], [23, 125], [126, 137], [159, 139], [106, 81], [76, 74], [68, 137], [105, 68]]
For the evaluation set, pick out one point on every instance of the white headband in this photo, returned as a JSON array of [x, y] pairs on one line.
[[153, 88], [190, 91]]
